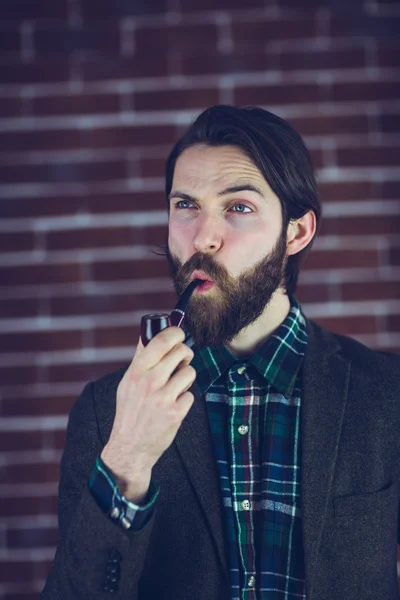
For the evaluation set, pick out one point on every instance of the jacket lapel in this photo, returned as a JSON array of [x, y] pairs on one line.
[[325, 383], [194, 444]]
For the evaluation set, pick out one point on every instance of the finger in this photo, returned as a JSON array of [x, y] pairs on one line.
[[158, 347], [180, 382], [183, 404], [179, 357]]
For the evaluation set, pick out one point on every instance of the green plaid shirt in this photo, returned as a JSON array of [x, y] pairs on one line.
[[254, 412]]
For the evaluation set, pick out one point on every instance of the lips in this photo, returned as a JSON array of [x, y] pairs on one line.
[[201, 275]]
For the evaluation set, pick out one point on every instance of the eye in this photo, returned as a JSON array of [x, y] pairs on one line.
[[240, 208], [180, 204]]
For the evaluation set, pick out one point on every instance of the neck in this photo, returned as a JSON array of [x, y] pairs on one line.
[[252, 337]]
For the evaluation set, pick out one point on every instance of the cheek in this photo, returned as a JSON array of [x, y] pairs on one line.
[[178, 237]]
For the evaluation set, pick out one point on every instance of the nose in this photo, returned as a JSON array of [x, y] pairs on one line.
[[208, 235]]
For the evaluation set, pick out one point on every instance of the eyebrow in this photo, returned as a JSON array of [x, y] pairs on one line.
[[246, 187]]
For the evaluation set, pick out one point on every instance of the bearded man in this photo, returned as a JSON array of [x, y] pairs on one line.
[[253, 455]]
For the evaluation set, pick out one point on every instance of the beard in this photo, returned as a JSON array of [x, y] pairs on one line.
[[214, 319]]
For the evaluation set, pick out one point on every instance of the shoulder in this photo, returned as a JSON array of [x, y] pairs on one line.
[[357, 353]]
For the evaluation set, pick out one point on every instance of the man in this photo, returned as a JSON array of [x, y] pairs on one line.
[[258, 457]]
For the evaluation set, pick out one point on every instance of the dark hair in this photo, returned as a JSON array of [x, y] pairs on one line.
[[275, 148]]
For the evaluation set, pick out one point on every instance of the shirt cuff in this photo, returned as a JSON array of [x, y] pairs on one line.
[[104, 489]]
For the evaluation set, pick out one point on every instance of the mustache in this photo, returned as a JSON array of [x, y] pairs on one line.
[[202, 262]]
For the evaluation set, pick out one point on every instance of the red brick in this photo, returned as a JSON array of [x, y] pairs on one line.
[[82, 373], [357, 24], [330, 125], [342, 191], [112, 202], [36, 274], [189, 6], [43, 472], [253, 32], [57, 38], [114, 337], [12, 441], [390, 122], [317, 157], [244, 60], [155, 40], [93, 238], [41, 341], [14, 208], [337, 58], [289, 93], [126, 202], [18, 307], [103, 9], [11, 106], [393, 323], [313, 293], [364, 91], [111, 67], [64, 171], [16, 572], [67, 139], [370, 290], [45, 70], [129, 270], [341, 259], [105, 237], [128, 136], [59, 436], [32, 537], [152, 167], [76, 104], [18, 241], [394, 256], [350, 325], [389, 55], [36, 407], [361, 225], [39, 9], [95, 304], [369, 156], [27, 506], [10, 40], [176, 99], [390, 189], [18, 375]]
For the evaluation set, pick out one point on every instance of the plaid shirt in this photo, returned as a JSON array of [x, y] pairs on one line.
[[254, 412]]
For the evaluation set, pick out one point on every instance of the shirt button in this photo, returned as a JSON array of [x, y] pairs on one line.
[[114, 514], [246, 504], [243, 429], [241, 370], [252, 581]]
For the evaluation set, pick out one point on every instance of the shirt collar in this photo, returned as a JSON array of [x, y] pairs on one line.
[[278, 360]]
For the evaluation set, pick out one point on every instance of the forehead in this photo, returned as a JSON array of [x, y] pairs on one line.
[[203, 165]]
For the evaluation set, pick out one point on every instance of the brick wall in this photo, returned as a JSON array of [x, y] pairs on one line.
[[92, 95]]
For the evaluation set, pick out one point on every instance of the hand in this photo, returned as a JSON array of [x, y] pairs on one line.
[[152, 401]]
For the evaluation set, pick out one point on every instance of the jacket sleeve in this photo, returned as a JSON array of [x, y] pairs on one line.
[[92, 548]]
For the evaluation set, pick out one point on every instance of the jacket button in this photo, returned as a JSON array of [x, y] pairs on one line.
[[115, 555], [113, 567]]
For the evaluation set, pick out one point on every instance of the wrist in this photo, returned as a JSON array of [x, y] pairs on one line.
[[133, 481]]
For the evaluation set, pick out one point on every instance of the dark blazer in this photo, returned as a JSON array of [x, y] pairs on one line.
[[350, 491]]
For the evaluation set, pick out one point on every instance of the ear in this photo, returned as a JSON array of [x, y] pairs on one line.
[[300, 232]]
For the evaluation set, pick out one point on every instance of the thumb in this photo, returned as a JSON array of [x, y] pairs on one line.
[[139, 347]]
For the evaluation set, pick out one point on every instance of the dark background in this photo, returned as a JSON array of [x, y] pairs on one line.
[[93, 93]]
